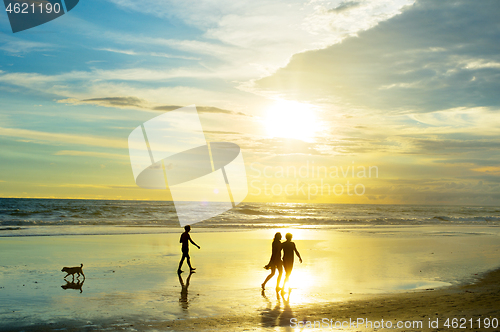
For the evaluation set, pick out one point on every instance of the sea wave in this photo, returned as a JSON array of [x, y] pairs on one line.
[[16, 212]]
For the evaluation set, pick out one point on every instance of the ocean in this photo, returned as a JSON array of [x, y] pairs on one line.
[[19, 215]]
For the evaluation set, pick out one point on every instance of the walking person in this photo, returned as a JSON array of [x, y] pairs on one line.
[[275, 261], [289, 251], [185, 239]]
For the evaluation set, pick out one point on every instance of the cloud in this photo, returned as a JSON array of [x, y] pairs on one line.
[[86, 185], [91, 154], [132, 52], [441, 146], [344, 6], [147, 84], [127, 52], [201, 109], [279, 146], [120, 102], [18, 47], [134, 102], [260, 36], [491, 170], [436, 55], [63, 139], [473, 162], [230, 44], [217, 132]]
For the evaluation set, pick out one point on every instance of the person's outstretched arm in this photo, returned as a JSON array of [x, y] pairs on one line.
[[191, 240], [297, 252]]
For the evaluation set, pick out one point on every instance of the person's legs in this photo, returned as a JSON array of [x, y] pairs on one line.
[[273, 269], [280, 273], [288, 272], [188, 259], [181, 262]]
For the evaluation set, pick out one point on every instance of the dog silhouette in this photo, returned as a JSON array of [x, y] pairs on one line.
[[73, 270]]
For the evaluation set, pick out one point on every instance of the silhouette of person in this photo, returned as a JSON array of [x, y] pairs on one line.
[[185, 239], [275, 262], [289, 251]]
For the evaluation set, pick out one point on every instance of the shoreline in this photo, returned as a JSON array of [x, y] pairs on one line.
[[13, 231], [469, 301]]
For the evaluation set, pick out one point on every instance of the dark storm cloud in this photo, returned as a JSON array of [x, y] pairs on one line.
[[435, 55]]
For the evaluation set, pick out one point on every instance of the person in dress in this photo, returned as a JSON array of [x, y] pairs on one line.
[[275, 261]]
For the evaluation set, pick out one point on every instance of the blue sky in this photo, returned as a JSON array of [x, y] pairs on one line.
[[410, 87]]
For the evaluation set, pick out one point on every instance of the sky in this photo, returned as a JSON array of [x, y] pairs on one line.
[[364, 102]]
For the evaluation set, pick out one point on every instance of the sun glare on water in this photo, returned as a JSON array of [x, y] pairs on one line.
[[291, 119]]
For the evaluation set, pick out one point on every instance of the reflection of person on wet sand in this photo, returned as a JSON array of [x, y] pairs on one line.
[[185, 239], [275, 262], [270, 316], [289, 251], [184, 291], [287, 314]]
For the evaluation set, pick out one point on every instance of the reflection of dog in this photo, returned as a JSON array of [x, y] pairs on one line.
[[73, 285], [73, 270]]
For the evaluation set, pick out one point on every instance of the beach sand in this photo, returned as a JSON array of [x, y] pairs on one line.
[[374, 273], [478, 301]]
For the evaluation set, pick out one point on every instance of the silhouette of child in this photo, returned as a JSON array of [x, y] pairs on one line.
[[185, 239]]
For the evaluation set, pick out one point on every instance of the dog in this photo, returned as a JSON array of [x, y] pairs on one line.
[[73, 270]]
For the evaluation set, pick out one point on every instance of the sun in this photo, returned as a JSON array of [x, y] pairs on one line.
[[291, 119]]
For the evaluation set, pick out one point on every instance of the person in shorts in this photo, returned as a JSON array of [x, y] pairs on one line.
[[289, 251], [185, 239]]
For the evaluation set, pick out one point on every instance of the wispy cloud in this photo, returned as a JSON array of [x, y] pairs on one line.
[[93, 186], [344, 6], [16, 46], [91, 154], [132, 52], [63, 139], [119, 102], [134, 102]]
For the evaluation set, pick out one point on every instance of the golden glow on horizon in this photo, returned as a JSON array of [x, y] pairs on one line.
[[291, 119]]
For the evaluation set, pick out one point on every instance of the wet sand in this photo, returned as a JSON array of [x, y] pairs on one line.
[[358, 272], [478, 301]]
